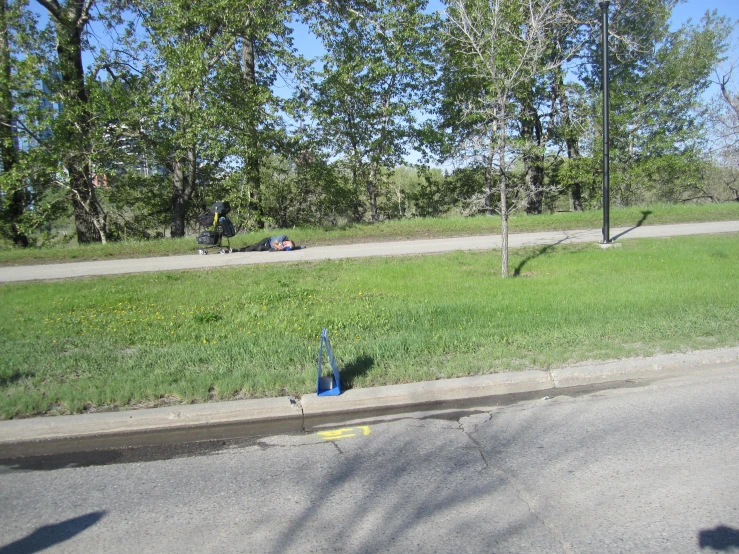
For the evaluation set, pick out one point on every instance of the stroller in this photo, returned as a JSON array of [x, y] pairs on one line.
[[217, 227]]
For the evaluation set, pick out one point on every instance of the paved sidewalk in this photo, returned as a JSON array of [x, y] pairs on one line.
[[259, 417], [364, 250]]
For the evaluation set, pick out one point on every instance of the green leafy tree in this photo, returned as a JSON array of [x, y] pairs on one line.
[[460, 131], [15, 27], [379, 59], [502, 43], [267, 55], [186, 72], [207, 70], [30, 168], [657, 79], [72, 128]]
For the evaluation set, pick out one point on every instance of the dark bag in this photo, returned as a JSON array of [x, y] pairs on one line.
[[208, 238], [206, 219], [227, 227], [221, 208]]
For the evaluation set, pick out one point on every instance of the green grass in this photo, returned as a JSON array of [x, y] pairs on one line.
[[386, 231], [142, 340]]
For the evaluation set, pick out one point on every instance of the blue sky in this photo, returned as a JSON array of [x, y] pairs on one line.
[[691, 9], [309, 46], [695, 9]]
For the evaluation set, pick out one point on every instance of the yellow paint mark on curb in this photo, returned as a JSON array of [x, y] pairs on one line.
[[344, 433]]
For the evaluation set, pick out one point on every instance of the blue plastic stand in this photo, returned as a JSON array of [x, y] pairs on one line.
[[321, 388]]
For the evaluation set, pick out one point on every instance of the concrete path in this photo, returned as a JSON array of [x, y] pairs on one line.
[[395, 248]]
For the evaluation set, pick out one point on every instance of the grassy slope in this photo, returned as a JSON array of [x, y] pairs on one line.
[[391, 230], [253, 331]]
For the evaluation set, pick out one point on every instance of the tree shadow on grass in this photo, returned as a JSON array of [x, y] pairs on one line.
[[356, 368], [644, 215], [543, 250], [719, 538], [49, 535], [17, 376]]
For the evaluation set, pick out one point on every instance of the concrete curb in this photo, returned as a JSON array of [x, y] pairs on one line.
[[462, 392], [73, 433], [259, 417], [655, 367]]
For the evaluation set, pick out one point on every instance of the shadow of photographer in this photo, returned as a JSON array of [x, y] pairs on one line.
[[49, 535], [719, 538]]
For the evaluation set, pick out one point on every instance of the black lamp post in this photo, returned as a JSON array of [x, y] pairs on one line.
[[606, 152]]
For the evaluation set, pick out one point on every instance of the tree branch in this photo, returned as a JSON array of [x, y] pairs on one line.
[[52, 6]]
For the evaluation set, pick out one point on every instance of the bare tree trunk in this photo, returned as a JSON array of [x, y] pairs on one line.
[[503, 225], [183, 186], [355, 186], [89, 218], [16, 208], [573, 152], [488, 176], [178, 202], [501, 122], [372, 191], [531, 130], [357, 169]]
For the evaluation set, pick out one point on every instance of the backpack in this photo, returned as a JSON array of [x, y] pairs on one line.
[[227, 227]]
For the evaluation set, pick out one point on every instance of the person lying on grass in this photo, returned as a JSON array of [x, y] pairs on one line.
[[280, 242]]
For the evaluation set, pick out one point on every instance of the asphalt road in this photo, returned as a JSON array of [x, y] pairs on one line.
[[642, 468], [394, 248]]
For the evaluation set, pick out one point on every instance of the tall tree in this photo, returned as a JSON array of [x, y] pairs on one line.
[[182, 57], [26, 110], [10, 20], [379, 58], [724, 119], [504, 42], [267, 54], [209, 69], [657, 78], [571, 122], [72, 127]]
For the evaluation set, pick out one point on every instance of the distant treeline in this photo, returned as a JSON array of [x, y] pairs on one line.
[[182, 103]]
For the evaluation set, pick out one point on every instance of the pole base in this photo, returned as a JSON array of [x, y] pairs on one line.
[[605, 245]]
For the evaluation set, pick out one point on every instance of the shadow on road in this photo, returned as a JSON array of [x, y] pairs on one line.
[[719, 538], [644, 215], [49, 535]]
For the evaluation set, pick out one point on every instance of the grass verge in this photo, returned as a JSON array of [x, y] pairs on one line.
[[145, 340], [405, 229]]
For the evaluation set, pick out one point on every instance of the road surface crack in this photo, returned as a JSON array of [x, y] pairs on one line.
[[517, 488]]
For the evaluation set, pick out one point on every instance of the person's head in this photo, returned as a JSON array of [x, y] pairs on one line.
[[288, 245]]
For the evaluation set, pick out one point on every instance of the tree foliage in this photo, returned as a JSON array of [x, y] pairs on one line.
[[374, 75], [182, 104]]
